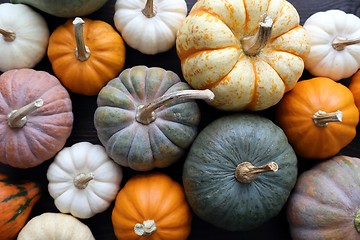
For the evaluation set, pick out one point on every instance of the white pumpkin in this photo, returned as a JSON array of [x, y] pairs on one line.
[[149, 26], [24, 36], [335, 44], [55, 226], [83, 180]]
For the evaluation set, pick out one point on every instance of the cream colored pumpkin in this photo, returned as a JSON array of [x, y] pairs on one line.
[[149, 26], [55, 226], [249, 53], [83, 180]]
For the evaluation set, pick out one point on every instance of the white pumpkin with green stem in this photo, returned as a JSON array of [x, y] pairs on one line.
[[24, 37], [83, 180], [149, 26], [335, 44]]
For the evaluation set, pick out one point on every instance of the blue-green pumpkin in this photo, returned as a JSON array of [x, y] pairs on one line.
[[239, 172]]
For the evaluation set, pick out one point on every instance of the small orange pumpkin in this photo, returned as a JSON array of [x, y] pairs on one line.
[[354, 87], [85, 54], [319, 117], [152, 206]]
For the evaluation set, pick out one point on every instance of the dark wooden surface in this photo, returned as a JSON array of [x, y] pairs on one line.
[[84, 107]]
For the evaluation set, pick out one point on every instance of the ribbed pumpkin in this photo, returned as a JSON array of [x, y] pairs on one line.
[[85, 54], [319, 117], [36, 117], [239, 172], [151, 206], [247, 52], [325, 203], [17, 200], [354, 87]]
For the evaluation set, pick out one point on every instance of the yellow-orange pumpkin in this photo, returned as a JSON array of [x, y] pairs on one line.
[[354, 87], [154, 206]]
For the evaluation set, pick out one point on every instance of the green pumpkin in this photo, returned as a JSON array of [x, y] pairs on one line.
[[239, 172], [147, 117], [325, 203]]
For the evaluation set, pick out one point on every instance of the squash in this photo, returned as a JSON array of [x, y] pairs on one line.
[[149, 26], [36, 117], [85, 54], [249, 53], [151, 206], [334, 39], [64, 8], [147, 117], [319, 117], [17, 199], [325, 201], [354, 87], [55, 226], [24, 37], [83, 180], [239, 172]]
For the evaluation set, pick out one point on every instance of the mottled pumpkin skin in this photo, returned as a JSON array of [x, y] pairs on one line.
[[47, 128], [325, 200], [210, 185], [145, 146], [17, 199]]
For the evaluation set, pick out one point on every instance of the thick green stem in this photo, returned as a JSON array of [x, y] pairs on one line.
[[82, 52], [7, 35], [322, 119], [245, 172], [149, 10], [146, 228], [18, 118], [82, 180], [339, 43], [145, 114]]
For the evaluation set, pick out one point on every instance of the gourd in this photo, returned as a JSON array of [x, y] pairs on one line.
[[55, 226], [319, 117], [239, 172], [249, 53], [325, 201], [36, 117], [151, 206], [354, 87], [24, 37], [334, 39], [17, 199], [85, 54], [65, 8], [83, 180], [149, 26], [147, 117]]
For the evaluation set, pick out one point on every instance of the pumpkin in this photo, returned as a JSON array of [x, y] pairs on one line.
[[147, 117], [151, 206], [17, 199], [334, 39], [319, 117], [149, 26], [354, 87], [55, 226], [85, 54], [36, 117], [325, 201], [64, 8], [24, 37], [249, 53], [83, 180], [239, 172]]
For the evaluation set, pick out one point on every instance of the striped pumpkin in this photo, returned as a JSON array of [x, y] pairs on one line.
[[16, 202]]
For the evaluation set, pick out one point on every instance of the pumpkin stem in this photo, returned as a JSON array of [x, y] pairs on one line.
[[322, 119], [252, 45], [145, 229], [82, 180], [7, 35], [82, 52], [149, 10], [245, 172], [357, 221], [339, 43], [17, 118], [145, 114]]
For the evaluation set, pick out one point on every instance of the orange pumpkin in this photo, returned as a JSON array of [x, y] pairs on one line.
[[85, 54], [319, 117], [17, 199], [152, 206], [354, 87]]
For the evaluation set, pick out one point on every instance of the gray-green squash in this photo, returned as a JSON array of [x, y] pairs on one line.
[[239, 172], [147, 117]]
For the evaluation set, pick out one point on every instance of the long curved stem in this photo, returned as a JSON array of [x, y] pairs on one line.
[[245, 172], [18, 118], [339, 43], [82, 51], [322, 119]]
